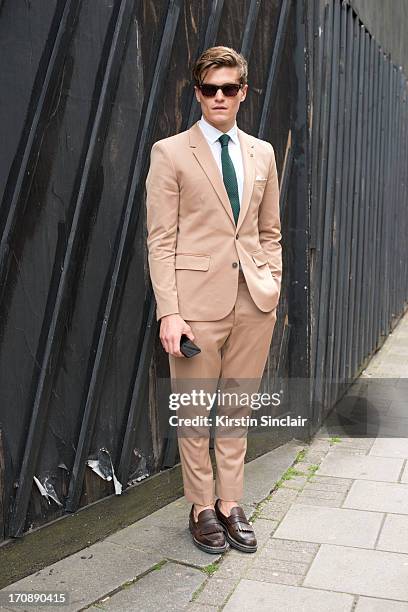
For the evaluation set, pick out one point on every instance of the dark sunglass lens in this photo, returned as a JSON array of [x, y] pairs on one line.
[[230, 90], [208, 90]]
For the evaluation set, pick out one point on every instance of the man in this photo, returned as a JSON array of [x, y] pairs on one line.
[[215, 264]]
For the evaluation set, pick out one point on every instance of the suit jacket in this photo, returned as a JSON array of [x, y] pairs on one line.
[[194, 246]]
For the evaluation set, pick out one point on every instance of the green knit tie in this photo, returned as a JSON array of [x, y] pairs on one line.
[[229, 176]]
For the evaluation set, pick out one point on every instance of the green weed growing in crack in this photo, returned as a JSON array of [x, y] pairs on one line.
[[300, 456], [334, 440], [197, 592], [159, 565], [288, 475], [156, 566], [257, 511], [312, 469], [211, 568]]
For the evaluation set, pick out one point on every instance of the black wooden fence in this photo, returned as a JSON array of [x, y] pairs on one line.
[[86, 87], [359, 199]]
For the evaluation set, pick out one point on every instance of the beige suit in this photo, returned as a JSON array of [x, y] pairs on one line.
[[194, 250]]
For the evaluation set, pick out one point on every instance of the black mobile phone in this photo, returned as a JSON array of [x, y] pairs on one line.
[[187, 347]]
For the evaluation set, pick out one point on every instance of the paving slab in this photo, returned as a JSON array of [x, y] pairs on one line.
[[328, 483], [330, 525], [173, 542], [282, 561], [393, 428], [404, 477], [349, 451], [234, 564], [353, 443], [196, 607], [178, 510], [362, 572], [267, 562], [274, 576], [394, 534], [321, 494], [370, 604], [361, 467], [273, 512], [318, 501], [378, 497], [276, 508], [297, 483], [86, 576], [390, 447], [168, 588], [216, 590], [252, 595], [287, 550], [399, 408], [262, 473]]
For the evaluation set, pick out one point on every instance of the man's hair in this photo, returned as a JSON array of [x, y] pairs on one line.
[[218, 57]]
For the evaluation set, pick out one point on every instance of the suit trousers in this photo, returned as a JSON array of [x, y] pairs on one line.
[[234, 351]]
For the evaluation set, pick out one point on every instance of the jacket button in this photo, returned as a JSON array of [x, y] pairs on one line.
[[235, 265]]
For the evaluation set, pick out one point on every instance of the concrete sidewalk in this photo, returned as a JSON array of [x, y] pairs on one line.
[[333, 535]]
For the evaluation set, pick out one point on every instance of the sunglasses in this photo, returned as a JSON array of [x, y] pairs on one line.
[[228, 89]]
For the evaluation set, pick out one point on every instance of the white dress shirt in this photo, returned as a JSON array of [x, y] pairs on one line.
[[212, 134]]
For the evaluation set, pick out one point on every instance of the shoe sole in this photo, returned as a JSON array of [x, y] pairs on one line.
[[238, 545], [210, 549]]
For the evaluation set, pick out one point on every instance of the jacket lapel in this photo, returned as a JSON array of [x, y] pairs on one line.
[[248, 160], [205, 158]]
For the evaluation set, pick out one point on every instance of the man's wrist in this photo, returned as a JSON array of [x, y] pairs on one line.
[[170, 314]]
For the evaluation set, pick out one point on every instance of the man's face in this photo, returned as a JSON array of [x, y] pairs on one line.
[[221, 110]]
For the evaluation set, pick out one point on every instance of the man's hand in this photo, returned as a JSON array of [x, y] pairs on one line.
[[171, 328]]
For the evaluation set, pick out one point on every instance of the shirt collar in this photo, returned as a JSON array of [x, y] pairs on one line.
[[212, 133]]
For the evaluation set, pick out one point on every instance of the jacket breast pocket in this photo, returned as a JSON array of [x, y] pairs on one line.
[[189, 261], [259, 188]]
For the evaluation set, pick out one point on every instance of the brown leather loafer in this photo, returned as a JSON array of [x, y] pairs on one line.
[[238, 531], [208, 535]]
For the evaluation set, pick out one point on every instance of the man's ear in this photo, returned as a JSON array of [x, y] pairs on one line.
[[196, 93], [244, 91]]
